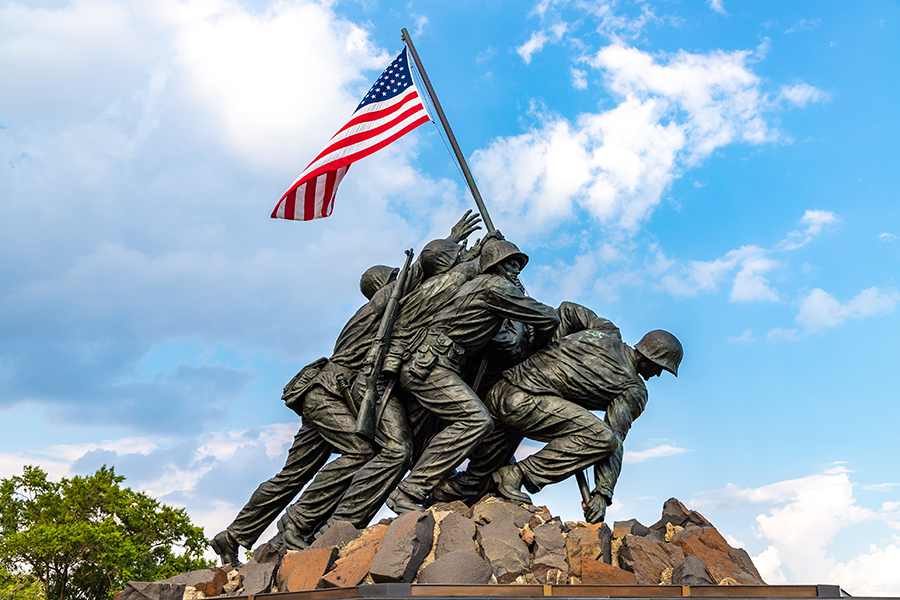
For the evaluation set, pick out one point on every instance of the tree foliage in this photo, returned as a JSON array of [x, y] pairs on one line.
[[86, 537]]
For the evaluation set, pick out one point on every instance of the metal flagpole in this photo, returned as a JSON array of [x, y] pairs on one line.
[[446, 125]]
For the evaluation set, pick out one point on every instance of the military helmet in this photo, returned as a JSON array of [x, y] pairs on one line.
[[496, 251], [376, 278], [662, 348], [439, 256]]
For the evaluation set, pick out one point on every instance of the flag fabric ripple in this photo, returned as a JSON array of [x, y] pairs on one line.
[[391, 109]]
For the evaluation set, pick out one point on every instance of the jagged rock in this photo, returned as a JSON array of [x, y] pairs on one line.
[[256, 578], [720, 559], [647, 558], [527, 536], [457, 533], [540, 517], [676, 513], [302, 571], [146, 590], [356, 559], [629, 527], [747, 563], [339, 534], [501, 544], [691, 571], [597, 572], [549, 552], [457, 567], [209, 581], [492, 509], [406, 543], [583, 542], [270, 552], [457, 506]]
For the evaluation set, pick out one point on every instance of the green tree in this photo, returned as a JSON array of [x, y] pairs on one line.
[[86, 537]]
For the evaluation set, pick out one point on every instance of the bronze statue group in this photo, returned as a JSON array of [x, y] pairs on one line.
[[471, 366]]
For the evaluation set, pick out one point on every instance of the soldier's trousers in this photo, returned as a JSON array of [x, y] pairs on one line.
[[350, 488], [576, 439], [444, 393]]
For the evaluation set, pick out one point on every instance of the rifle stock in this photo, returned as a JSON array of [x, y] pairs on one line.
[[369, 413]]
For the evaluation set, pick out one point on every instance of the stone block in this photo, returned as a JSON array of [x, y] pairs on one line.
[[302, 571], [691, 571], [457, 533], [492, 509], [405, 545], [597, 572], [257, 578], [676, 513], [355, 559], [209, 581], [629, 527], [647, 558], [583, 542], [145, 590], [502, 546], [549, 552], [720, 559], [339, 534], [458, 567]]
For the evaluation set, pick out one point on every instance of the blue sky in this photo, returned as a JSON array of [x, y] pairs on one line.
[[724, 170]]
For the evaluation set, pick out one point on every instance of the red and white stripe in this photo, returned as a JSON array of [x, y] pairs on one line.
[[370, 129]]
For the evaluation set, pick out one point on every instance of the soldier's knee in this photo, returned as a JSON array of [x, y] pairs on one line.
[[398, 453]]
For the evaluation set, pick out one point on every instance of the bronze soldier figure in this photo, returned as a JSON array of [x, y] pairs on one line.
[[549, 397], [466, 323], [354, 485]]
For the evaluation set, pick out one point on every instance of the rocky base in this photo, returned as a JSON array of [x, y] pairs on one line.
[[495, 541]]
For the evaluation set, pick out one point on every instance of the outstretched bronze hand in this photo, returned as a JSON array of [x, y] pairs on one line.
[[464, 227]]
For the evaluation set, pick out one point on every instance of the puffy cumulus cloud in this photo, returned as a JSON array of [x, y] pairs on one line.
[[800, 529], [660, 451], [801, 94], [820, 310], [748, 263], [253, 72], [159, 135], [674, 111]]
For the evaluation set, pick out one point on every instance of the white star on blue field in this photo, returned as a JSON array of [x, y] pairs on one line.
[[724, 170]]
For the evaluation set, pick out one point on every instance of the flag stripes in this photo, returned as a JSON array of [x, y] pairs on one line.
[[375, 124]]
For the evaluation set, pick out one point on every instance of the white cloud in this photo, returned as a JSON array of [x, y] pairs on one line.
[[663, 450], [579, 78], [744, 338], [539, 39], [820, 310], [718, 6], [801, 94], [749, 283], [887, 237], [804, 25], [534, 44], [674, 111]]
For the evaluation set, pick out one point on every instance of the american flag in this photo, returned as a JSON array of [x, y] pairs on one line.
[[390, 110]]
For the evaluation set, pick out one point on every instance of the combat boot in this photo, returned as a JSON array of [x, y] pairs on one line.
[[509, 484], [227, 548], [400, 502]]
